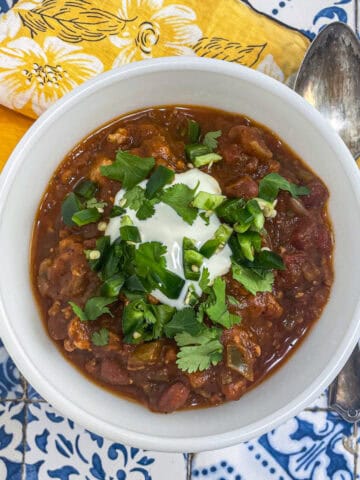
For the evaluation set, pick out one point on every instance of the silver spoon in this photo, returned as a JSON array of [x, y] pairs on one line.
[[329, 79]]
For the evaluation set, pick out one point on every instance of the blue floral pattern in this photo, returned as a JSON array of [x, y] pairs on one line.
[[10, 382], [58, 448], [309, 17], [11, 439], [315, 445], [37, 443], [5, 5]]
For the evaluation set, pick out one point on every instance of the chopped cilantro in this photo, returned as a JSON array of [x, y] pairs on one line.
[[179, 197], [267, 260], [100, 338], [253, 280], [94, 308], [193, 132], [69, 207], [146, 210], [216, 307], [210, 139], [183, 321], [93, 203], [150, 266], [204, 281], [233, 301], [161, 177], [136, 200], [128, 169], [199, 352], [271, 184], [134, 197]]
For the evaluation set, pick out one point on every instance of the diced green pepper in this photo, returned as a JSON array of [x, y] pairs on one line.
[[191, 298], [86, 189], [250, 242], [192, 260], [112, 286], [253, 207], [196, 150], [218, 242], [125, 221], [130, 233], [208, 201], [86, 216], [207, 159]]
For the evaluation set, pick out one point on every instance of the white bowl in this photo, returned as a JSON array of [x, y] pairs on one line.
[[176, 81]]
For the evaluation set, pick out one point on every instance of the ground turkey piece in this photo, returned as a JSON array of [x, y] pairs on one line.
[[66, 275]]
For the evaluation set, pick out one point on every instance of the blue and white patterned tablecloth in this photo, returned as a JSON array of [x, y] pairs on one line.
[[37, 443]]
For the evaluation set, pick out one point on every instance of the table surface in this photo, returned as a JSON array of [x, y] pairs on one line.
[[37, 443]]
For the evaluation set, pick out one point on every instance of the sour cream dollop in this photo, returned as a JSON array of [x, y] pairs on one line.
[[168, 228]]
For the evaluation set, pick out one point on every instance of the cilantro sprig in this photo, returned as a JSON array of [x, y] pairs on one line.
[[128, 169], [94, 308], [270, 185], [100, 338], [180, 197], [199, 352]]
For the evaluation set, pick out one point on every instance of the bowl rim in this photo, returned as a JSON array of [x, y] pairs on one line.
[[54, 395]]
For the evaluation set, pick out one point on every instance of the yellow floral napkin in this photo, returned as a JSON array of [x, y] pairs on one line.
[[48, 47]]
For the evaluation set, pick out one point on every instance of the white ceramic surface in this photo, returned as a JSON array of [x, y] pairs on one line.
[[177, 81]]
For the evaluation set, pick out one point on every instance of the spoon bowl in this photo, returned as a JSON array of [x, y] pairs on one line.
[[329, 79]]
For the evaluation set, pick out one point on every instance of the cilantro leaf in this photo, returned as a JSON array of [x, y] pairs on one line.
[[136, 200], [146, 210], [194, 131], [210, 139], [183, 321], [253, 280], [270, 185], [94, 308], [197, 353], [79, 312], [69, 207], [128, 169], [93, 203], [179, 197], [158, 180], [100, 338], [150, 266], [142, 321], [148, 255], [216, 308], [204, 280], [233, 301], [134, 197]]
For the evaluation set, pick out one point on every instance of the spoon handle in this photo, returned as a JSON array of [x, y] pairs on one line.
[[344, 391], [333, 88]]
